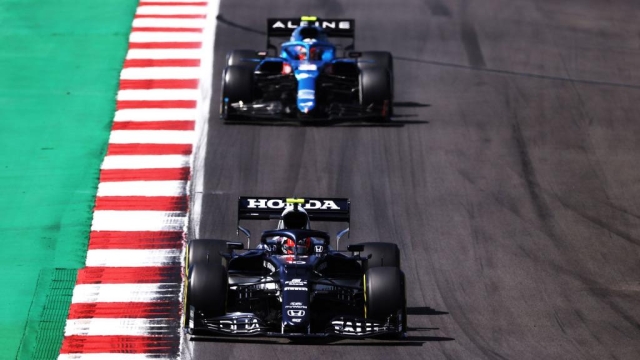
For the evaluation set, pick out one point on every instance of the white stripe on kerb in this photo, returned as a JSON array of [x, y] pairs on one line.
[[155, 115], [169, 23], [123, 327], [91, 293], [141, 36], [164, 54], [142, 188], [148, 73], [115, 220], [171, 10], [145, 161], [151, 137], [133, 258], [158, 94], [114, 356]]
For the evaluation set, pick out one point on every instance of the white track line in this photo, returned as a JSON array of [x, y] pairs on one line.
[[164, 54], [141, 36], [155, 115], [151, 73], [170, 10], [113, 356], [152, 137], [158, 94], [115, 220], [143, 188], [122, 327], [145, 161], [169, 23], [133, 258], [92, 293]]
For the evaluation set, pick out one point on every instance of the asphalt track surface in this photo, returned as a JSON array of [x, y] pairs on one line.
[[509, 178]]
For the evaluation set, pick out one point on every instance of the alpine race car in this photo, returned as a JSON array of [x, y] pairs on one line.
[[293, 284], [305, 78]]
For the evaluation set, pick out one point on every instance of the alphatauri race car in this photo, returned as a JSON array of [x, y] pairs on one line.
[[305, 79], [294, 284]]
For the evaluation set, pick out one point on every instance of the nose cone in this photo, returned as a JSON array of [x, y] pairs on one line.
[[306, 89]]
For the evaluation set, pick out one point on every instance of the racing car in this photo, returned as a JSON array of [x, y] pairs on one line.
[[294, 284], [305, 78]]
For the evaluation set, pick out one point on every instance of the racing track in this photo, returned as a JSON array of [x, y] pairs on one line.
[[511, 180]]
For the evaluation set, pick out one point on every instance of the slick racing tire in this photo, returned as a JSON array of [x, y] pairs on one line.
[[205, 252], [384, 289], [382, 255], [207, 290], [375, 90], [245, 58], [371, 59], [237, 85]]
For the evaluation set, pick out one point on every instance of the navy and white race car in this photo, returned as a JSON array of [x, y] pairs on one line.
[[293, 283], [305, 78]]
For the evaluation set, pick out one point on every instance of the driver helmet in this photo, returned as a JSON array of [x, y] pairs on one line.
[[295, 218], [302, 52]]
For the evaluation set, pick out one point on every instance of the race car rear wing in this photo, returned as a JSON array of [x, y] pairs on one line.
[[271, 208], [337, 28]]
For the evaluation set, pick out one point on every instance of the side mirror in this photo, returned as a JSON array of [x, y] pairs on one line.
[[247, 233], [355, 247], [235, 245], [339, 236]]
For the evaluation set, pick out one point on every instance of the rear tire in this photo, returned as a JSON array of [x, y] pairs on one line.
[[237, 85], [375, 89], [385, 295], [382, 255]]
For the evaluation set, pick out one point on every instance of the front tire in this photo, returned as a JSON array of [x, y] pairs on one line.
[[206, 292], [237, 85], [376, 91], [385, 297]]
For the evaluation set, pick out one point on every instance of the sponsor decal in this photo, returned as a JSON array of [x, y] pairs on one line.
[[269, 266], [295, 305], [296, 313], [296, 282], [356, 327], [296, 320], [280, 204], [345, 25], [309, 67], [307, 104], [319, 249], [306, 94], [295, 288], [303, 76]]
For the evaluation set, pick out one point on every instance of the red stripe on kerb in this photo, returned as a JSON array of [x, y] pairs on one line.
[[179, 16], [135, 240], [128, 310], [129, 275], [161, 62], [153, 3], [121, 344], [158, 84], [108, 175], [154, 125], [149, 203], [165, 29], [165, 45], [156, 104], [149, 149]]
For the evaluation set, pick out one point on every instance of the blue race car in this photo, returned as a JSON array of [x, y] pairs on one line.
[[305, 79]]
